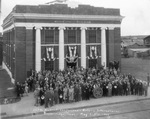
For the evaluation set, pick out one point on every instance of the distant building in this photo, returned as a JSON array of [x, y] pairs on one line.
[[139, 53], [146, 41], [53, 37], [135, 45]]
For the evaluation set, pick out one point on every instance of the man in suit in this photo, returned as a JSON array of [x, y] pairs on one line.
[[47, 97], [36, 96], [148, 79], [51, 99], [145, 88], [87, 93], [76, 92]]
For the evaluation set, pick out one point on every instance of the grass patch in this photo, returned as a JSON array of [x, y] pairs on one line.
[[136, 66]]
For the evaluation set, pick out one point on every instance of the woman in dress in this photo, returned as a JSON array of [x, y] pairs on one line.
[[71, 94], [109, 89], [65, 92]]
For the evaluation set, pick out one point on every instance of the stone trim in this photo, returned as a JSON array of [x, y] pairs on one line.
[[59, 25]]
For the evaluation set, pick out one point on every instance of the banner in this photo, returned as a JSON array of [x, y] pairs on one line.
[[49, 54], [93, 53], [71, 56]]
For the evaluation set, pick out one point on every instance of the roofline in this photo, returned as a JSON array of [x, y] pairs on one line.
[[146, 37]]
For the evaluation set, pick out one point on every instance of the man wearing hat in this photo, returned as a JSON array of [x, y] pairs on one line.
[[36, 96], [47, 97], [51, 99]]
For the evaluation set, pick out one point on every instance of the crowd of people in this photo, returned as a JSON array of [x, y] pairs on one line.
[[76, 84]]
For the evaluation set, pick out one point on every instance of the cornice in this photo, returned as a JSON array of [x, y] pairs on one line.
[[14, 16], [60, 25]]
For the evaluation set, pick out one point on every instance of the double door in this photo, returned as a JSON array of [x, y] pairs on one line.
[[92, 63], [49, 65]]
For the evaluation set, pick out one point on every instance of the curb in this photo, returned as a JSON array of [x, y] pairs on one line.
[[59, 110], [99, 105]]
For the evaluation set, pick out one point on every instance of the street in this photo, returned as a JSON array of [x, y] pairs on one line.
[[129, 110]]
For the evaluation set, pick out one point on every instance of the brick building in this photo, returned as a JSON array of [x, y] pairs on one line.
[[1, 49], [52, 37]]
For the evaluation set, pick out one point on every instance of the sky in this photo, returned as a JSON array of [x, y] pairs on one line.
[[136, 12]]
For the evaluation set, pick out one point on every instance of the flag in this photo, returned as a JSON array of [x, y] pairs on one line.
[[93, 52], [50, 53], [71, 55]]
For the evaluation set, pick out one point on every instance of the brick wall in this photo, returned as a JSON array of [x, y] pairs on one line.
[[1, 49], [110, 45], [20, 38], [12, 53], [117, 45], [64, 9], [29, 50]]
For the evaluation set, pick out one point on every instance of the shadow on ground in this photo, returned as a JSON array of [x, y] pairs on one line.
[[7, 89]]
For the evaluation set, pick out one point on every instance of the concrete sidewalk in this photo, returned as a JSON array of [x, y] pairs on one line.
[[26, 106]]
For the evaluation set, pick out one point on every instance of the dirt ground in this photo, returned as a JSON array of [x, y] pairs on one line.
[[136, 66]]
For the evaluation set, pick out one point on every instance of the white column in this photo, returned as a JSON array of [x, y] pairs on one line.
[[38, 49], [61, 48], [103, 47], [83, 48]]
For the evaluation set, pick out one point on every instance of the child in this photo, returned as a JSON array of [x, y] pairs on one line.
[[26, 89]]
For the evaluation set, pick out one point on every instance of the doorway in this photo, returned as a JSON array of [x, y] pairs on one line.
[[49, 65], [72, 65], [92, 63]]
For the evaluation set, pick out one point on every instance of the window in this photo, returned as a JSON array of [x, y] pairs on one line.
[[49, 36], [71, 36], [92, 36]]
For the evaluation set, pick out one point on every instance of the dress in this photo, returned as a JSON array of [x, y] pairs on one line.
[[65, 96], [71, 94], [109, 89]]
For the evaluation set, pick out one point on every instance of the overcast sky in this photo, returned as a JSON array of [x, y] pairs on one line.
[[136, 12]]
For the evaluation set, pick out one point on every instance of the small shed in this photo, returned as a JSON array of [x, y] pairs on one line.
[[146, 41], [143, 52]]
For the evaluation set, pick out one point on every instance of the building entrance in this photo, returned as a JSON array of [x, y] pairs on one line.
[[92, 63], [72, 65], [49, 65]]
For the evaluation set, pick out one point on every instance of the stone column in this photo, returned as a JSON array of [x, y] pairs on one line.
[[83, 47], [61, 48], [38, 49], [103, 47]]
